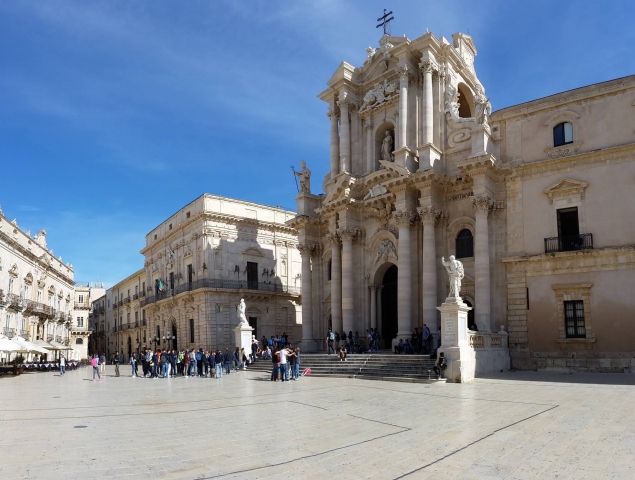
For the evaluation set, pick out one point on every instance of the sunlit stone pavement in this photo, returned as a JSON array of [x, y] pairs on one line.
[[515, 426]]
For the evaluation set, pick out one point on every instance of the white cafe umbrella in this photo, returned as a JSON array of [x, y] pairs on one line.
[[28, 346], [7, 345]]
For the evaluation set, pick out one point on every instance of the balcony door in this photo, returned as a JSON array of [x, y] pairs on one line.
[[568, 229], [252, 275]]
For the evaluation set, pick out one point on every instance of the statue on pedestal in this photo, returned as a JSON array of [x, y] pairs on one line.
[[241, 312], [305, 177], [456, 273]]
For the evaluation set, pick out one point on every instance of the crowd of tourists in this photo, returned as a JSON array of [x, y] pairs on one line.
[[188, 363]]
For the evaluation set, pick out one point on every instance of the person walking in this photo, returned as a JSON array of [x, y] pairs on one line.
[[227, 361], [102, 363], [115, 360], [62, 365], [218, 359], [95, 364], [296, 365], [133, 365], [330, 338]]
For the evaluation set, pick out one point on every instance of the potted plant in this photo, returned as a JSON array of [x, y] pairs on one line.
[[18, 369]]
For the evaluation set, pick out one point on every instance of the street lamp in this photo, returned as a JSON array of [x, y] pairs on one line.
[[156, 339], [168, 338]]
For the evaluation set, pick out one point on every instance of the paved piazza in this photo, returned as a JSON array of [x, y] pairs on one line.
[[515, 426]]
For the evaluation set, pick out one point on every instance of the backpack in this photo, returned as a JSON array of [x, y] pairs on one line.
[[164, 359], [198, 357]]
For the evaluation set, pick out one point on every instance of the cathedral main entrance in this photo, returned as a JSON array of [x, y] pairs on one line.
[[389, 327]]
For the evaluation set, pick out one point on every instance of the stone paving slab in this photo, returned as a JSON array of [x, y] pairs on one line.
[[523, 425]]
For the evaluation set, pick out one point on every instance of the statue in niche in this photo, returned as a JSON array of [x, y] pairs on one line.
[[483, 106], [241, 312], [305, 177], [456, 273], [387, 147]]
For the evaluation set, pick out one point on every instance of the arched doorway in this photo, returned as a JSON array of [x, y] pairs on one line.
[[174, 339], [389, 325]]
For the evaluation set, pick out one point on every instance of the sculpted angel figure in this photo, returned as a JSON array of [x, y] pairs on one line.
[[456, 273], [305, 177], [386, 147]]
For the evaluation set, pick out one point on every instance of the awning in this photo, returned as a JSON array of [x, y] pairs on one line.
[[28, 346], [59, 346], [46, 345], [7, 345]]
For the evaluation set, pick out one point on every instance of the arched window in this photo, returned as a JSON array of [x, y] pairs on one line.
[[79, 341], [562, 134], [328, 273], [464, 244]]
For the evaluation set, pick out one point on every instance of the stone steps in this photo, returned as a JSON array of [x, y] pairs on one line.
[[382, 366]]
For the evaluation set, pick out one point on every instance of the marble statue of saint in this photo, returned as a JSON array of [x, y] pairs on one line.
[[386, 147], [241, 312], [483, 107], [305, 177], [456, 273]]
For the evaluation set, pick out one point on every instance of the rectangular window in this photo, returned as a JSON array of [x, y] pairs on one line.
[[187, 215], [143, 287], [170, 227], [568, 229], [574, 318], [191, 330], [81, 299], [136, 317], [189, 273]]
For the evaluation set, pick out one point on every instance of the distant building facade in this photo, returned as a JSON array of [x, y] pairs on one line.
[[198, 264], [85, 293], [536, 200], [36, 289]]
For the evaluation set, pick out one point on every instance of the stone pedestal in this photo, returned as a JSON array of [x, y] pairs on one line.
[[243, 334], [454, 342], [406, 158], [429, 157]]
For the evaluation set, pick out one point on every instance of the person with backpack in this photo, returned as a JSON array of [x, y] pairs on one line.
[[192, 372], [330, 338], [154, 364], [133, 365], [211, 361], [102, 363], [164, 364]]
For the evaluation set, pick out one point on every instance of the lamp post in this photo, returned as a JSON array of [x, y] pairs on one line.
[[156, 340], [168, 338]]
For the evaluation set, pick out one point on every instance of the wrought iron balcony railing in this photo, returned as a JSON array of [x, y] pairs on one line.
[[583, 241]]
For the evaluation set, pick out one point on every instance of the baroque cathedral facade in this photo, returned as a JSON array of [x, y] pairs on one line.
[[536, 201]]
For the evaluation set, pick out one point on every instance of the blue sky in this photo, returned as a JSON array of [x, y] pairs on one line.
[[115, 114]]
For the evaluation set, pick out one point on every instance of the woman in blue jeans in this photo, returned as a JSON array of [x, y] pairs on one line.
[[296, 366]]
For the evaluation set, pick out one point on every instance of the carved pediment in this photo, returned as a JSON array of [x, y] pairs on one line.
[[253, 252], [566, 188]]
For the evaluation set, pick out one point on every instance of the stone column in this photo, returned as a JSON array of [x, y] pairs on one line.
[[335, 141], [379, 308], [347, 278], [345, 137], [404, 277], [429, 217], [427, 111], [370, 158], [355, 161], [373, 305], [307, 290], [404, 73], [482, 205], [336, 282]]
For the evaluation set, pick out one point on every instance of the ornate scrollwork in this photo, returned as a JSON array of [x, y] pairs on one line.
[[404, 217], [379, 95], [429, 215]]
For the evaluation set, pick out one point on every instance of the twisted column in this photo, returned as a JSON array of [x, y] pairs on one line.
[[336, 282], [482, 205], [404, 277], [429, 217]]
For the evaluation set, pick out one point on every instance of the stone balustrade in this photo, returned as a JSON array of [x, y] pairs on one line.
[[485, 340]]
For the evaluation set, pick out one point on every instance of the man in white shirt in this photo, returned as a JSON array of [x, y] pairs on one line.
[[284, 366], [62, 365]]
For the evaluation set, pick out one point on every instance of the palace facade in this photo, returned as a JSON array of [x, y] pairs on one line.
[[37, 292], [536, 200], [198, 264]]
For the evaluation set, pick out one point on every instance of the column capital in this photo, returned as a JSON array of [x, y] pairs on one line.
[[306, 248], [373, 286], [482, 204], [405, 72], [333, 113], [368, 126], [348, 233], [428, 66], [333, 237], [344, 104], [404, 217], [428, 215]]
